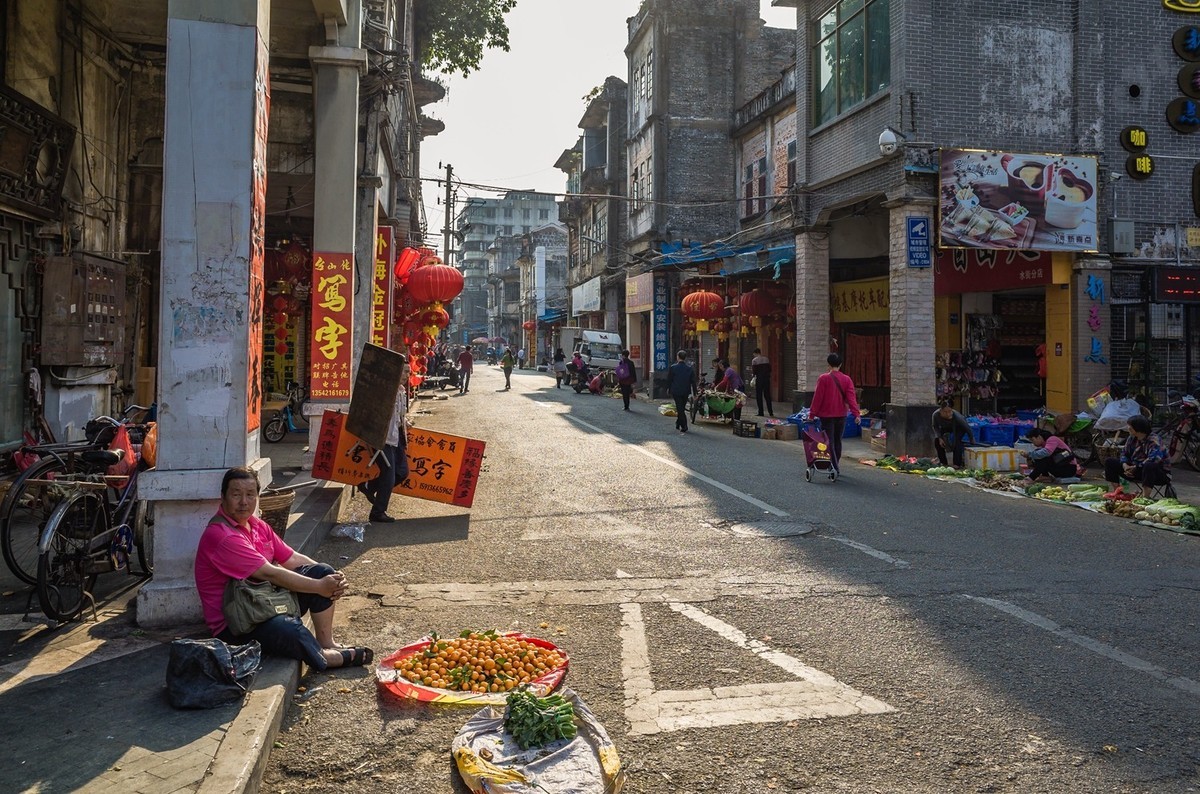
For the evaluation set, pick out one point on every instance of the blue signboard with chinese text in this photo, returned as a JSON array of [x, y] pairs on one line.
[[919, 252]]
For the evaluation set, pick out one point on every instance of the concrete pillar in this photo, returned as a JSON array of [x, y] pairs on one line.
[[913, 347], [812, 312], [210, 337], [338, 66]]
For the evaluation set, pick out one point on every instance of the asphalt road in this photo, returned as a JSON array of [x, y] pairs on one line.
[[921, 637]]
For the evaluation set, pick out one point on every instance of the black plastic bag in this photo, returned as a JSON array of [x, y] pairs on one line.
[[204, 674]]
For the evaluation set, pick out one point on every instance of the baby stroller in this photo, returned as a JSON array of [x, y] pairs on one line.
[[817, 451]]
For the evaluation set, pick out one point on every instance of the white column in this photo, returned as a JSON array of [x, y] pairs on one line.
[[210, 336]]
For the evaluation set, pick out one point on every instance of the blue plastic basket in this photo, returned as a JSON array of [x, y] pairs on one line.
[[1029, 416], [998, 435], [852, 430]]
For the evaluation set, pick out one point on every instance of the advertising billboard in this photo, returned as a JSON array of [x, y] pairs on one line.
[[1017, 202]]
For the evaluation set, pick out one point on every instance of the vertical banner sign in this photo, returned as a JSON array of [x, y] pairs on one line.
[[919, 252], [662, 324], [258, 210], [441, 467], [381, 294], [332, 321]]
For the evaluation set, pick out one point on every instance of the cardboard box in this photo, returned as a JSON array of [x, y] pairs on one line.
[[994, 458], [787, 432], [770, 431]]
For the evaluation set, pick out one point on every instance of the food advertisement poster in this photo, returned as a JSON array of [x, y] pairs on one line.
[[441, 467], [1017, 202]]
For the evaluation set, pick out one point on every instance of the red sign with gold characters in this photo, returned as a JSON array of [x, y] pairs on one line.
[[381, 294], [441, 467], [332, 324]]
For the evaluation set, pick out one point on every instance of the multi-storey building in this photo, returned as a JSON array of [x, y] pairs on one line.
[[1020, 197]]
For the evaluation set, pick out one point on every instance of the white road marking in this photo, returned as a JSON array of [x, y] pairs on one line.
[[761, 505], [817, 696], [1095, 646], [865, 549]]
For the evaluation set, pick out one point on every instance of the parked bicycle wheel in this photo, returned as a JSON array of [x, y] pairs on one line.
[[23, 514], [275, 429], [1191, 453], [143, 535], [64, 580]]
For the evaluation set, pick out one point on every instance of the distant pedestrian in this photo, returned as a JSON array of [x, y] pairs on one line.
[[521, 358], [506, 364], [681, 384], [626, 377], [760, 365], [560, 368], [466, 363], [832, 400]]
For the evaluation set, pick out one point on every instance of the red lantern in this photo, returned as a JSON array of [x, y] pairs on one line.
[[417, 349], [435, 282], [529, 325], [435, 316], [279, 303], [280, 318], [281, 348], [757, 304], [405, 263], [703, 306], [281, 332]]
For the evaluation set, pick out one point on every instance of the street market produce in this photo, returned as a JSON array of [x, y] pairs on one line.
[[1121, 508], [535, 722], [478, 662]]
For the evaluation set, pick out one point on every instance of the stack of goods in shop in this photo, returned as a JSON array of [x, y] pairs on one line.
[[963, 373], [533, 734], [425, 284]]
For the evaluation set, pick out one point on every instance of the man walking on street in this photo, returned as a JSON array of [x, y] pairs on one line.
[[521, 358], [506, 364], [760, 366], [466, 363], [681, 383], [626, 377]]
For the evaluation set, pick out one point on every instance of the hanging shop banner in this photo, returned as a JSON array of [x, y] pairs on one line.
[[863, 301], [441, 467], [332, 321], [1005, 201], [639, 293], [661, 317], [258, 219], [961, 270], [381, 293]]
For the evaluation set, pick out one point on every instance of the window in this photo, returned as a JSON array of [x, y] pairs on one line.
[[543, 214], [650, 76], [853, 56], [791, 163], [762, 184], [525, 213], [748, 191]]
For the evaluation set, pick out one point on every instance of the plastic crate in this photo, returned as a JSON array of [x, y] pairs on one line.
[[1022, 430], [999, 435], [852, 430], [1029, 416], [745, 428]]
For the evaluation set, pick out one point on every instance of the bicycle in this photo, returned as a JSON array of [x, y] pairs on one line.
[[89, 534], [28, 503], [284, 420], [1181, 433]]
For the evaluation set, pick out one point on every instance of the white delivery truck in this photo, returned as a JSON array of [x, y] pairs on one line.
[[600, 349]]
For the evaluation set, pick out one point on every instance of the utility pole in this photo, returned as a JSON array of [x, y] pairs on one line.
[[448, 229]]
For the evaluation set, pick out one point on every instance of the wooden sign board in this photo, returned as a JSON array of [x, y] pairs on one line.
[[380, 378], [441, 467]]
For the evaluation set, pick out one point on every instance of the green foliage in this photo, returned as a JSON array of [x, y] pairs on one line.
[[451, 35]]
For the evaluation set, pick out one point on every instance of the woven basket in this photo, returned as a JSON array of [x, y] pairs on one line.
[[276, 507], [1103, 453]]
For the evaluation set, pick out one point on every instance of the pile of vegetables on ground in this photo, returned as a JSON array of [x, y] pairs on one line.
[[535, 722], [1170, 512]]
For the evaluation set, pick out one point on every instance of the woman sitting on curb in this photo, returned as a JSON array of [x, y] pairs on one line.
[[237, 544]]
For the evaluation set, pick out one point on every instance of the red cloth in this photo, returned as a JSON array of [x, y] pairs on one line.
[[226, 553], [828, 402]]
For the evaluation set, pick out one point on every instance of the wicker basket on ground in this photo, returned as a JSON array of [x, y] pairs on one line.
[[276, 507], [1104, 452]]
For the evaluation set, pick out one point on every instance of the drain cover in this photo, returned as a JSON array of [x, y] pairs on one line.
[[772, 529]]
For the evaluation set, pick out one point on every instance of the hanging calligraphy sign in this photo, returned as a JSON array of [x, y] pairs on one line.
[[332, 326]]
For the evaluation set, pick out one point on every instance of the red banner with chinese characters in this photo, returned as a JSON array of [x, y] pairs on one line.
[[332, 324], [258, 215], [441, 468], [381, 293], [972, 270]]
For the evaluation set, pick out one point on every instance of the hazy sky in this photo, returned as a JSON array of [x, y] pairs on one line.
[[508, 123]]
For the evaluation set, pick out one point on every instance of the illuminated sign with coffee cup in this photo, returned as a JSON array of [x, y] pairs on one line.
[[1017, 202]]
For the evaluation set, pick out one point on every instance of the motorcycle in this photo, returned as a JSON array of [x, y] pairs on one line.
[[578, 378]]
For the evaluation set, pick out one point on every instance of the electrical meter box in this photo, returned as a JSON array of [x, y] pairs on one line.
[[83, 311]]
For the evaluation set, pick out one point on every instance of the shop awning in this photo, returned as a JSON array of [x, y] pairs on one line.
[[551, 316]]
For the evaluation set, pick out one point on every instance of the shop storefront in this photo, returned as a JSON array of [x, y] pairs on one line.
[[860, 314], [1155, 333]]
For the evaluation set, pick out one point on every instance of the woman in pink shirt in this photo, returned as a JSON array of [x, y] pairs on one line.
[[1051, 458], [236, 544], [832, 400]]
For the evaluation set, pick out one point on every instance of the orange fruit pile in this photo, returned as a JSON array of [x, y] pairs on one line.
[[478, 662]]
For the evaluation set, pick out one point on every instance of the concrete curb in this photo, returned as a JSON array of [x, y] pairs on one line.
[[240, 760]]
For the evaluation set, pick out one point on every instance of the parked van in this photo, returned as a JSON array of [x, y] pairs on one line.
[[600, 349]]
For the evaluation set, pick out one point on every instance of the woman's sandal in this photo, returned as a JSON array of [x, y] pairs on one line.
[[357, 657]]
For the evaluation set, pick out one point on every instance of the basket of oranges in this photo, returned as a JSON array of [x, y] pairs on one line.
[[476, 667]]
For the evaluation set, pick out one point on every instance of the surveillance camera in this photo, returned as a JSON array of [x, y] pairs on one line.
[[1113, 176], [889, 142]]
